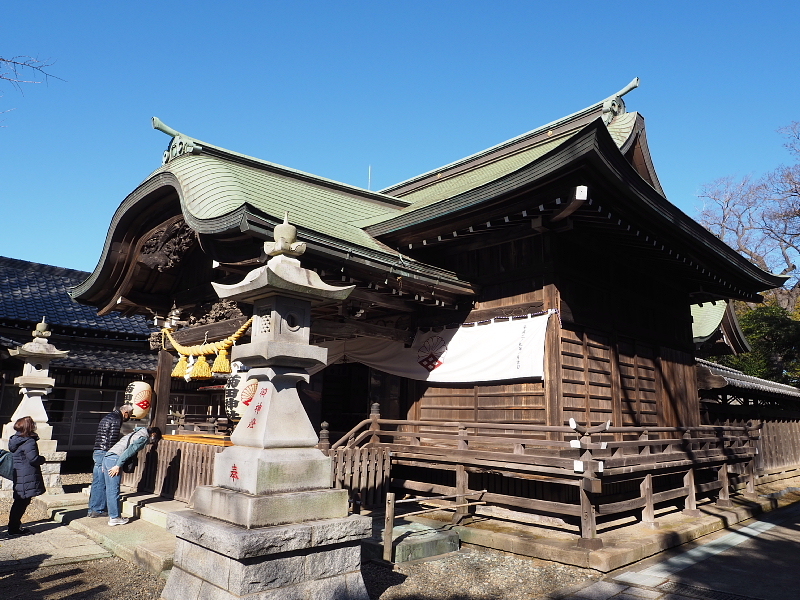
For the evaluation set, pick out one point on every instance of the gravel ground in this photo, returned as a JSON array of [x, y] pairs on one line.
[[472, 575], [467, 575], [107, 579]]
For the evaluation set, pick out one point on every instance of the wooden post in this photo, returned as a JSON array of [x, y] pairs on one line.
[[750, 489], [589, 485], [648, 512], [463, 513], [388, 526], [553, 383], [324, 438], [752, 443], [374, 415], [724, 498], [162, 384], [690, 503]]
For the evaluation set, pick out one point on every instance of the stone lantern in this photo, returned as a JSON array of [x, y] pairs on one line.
[[270, 524], [34, 383]]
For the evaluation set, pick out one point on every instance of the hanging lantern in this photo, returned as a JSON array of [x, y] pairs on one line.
[[139, 395]]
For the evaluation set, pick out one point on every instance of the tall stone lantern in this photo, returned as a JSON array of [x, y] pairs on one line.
[[270, 526], [34, 383]]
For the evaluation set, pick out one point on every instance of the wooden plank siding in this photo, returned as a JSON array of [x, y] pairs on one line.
[[604, 377], [504, 403], [173, 469]]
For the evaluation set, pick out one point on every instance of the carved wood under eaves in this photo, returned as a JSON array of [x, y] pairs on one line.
[[167, 245]]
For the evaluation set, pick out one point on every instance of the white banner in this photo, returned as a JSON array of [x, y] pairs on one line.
[[495, 351]]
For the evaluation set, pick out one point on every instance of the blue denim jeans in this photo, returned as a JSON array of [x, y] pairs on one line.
[[112, 486], [97, 493]]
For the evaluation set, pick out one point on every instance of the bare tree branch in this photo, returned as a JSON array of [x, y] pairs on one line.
[[760, 219], [18, 70]]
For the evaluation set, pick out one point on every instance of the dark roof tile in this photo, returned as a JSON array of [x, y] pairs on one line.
[[30, 290]]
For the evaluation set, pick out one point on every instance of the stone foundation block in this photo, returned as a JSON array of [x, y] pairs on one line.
[[240, 543], [252, 511], [271, 470], [246, 576], [185, 586]]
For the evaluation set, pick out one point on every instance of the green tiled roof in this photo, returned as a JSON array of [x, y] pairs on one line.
[[213, 187], [706, 319], [506, 162], [622, 127], [481, 175]]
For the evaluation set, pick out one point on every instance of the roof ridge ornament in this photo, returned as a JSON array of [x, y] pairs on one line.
[[614, 106], [285, 236], [179, 145]]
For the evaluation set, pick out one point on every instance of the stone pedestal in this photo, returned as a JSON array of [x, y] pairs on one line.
[[220, 561]]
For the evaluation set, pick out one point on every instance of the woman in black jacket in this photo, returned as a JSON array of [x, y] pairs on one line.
[[28, 480]]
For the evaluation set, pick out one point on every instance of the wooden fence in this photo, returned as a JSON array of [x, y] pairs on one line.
[[173, 469], [587, 473]]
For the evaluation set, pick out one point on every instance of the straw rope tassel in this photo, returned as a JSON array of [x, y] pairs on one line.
[[201, 369], [221, 363], [180, 368]]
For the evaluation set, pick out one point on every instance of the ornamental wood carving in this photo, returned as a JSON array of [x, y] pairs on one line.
[[167, 246]]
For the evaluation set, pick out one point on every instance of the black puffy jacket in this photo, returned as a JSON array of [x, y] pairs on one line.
[[28, 480], [108, 431]]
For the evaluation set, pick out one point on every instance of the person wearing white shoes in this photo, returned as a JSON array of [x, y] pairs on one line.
[[117, 456]]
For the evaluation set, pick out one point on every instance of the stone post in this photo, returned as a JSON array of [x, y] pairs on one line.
[[271, 526], [34, 383]]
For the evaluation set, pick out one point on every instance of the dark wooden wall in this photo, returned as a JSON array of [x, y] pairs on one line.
[[622, 350]]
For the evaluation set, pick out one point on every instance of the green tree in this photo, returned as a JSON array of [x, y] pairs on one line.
[[775, 338]]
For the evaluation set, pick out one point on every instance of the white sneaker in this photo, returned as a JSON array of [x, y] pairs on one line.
[[117, 521]]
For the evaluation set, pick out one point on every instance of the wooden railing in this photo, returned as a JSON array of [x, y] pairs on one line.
[[173, 469], [569, 471]]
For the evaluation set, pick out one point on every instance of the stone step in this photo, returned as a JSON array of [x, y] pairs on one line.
[[150, 508], [55, 503], [149, 546], [412, 541]]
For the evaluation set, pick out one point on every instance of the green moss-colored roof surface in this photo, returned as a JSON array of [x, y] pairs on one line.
[[213, 187], [620, 129]]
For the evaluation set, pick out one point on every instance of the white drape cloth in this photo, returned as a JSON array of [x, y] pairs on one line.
[[495, 351]]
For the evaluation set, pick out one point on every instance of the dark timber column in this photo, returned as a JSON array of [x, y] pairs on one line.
[[552, 356], [553, 389], [163, 383]]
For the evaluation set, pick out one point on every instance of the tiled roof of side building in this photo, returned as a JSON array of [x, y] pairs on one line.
[[105, 357], [29, 291]]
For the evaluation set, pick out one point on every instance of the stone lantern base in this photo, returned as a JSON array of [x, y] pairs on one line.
[[312, 559]]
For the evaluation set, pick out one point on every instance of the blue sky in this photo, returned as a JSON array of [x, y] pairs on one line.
[[333, 87]]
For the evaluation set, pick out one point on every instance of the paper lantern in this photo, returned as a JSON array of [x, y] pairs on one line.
[[239, 391], [139, 395]]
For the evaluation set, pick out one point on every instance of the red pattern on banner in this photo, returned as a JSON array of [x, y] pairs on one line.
[[234, 473], [258, 407], [251, 424]]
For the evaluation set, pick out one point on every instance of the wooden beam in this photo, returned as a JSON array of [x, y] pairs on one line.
[[197, 334], [162, 384], [382, 300], [351, 327]]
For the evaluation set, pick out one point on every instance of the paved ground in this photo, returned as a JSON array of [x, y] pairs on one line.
[[758, 560], [50, 544]]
